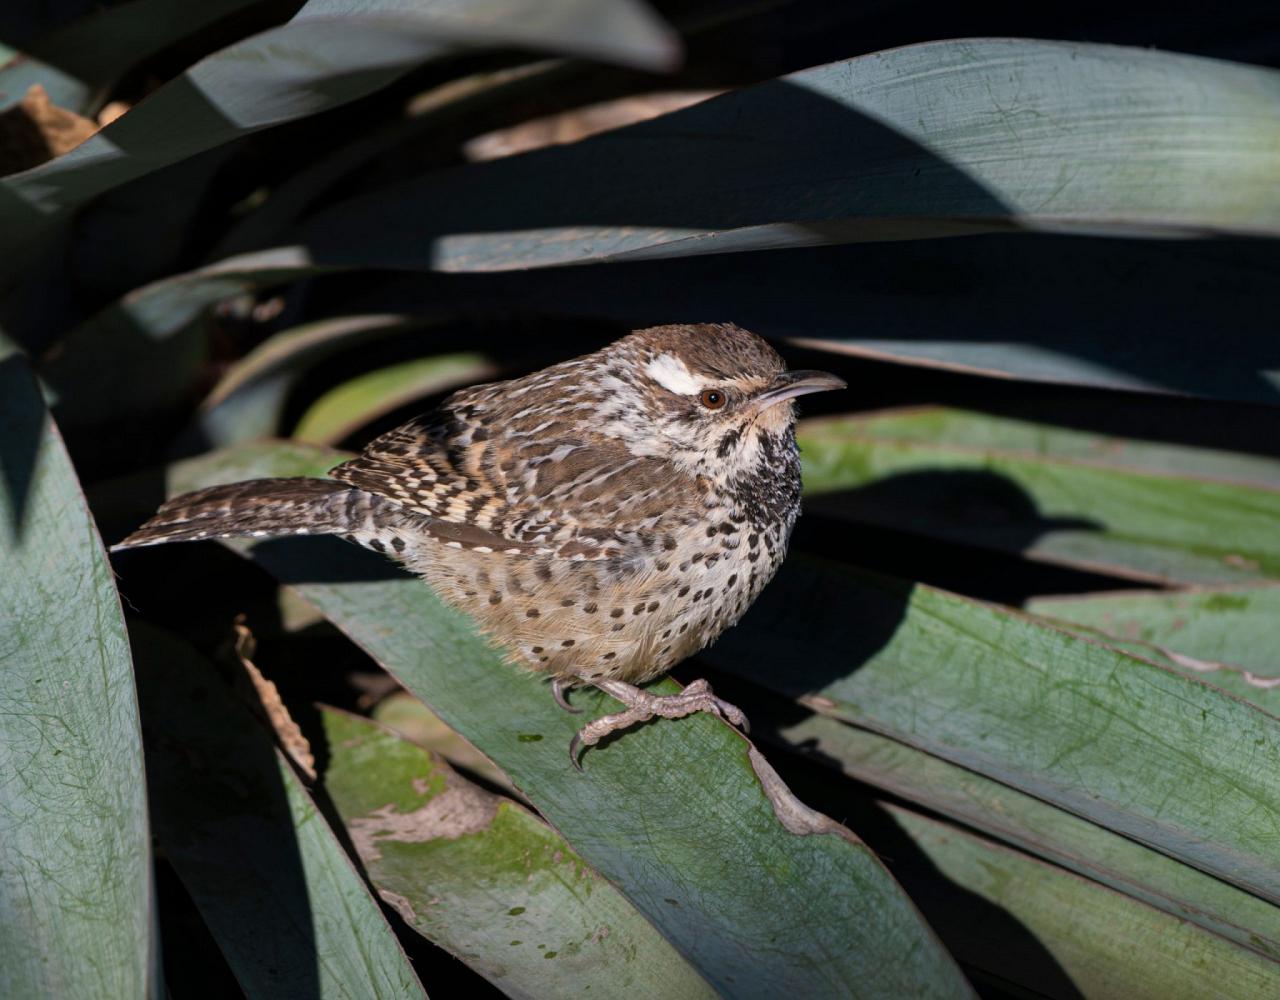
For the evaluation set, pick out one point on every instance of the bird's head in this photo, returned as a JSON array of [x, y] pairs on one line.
[[714, 398]]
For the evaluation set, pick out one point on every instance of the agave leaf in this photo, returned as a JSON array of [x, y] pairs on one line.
[[1224, 635], [298, 347], [488, 881], [20, 71], [970, 430], [332, 52], [287, 907], [249, 400], [290, 201], [347, 407], [1109, 513], [1034, 826], [1102, 942], [407, 716], [679, 836], [1002, 305], [1073, 722], [1157, 756], [1011, 307], [254, 460], [939, 139], [999, 305], [97, 49], [143, 352], [75, 859]]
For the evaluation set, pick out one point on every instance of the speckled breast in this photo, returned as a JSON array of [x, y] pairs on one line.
[[629, 619]]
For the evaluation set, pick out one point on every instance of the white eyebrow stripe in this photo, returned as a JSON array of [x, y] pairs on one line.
[[673, 375]]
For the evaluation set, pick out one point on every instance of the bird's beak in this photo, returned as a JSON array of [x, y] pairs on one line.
[[789, 385]]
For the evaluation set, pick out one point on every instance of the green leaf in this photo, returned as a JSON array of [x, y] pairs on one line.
[[1010, 306], [134, 32], [284, 902], [143, 352], [406, 715], [75, 859], [492, 91], [1225, 636], [995, 304], [939, 139], [1139, 749], [690, 805], [96, 50], [1041, 829], [972, 431], [346, 408], [331, 53], [254, 460], [19, 72], [249, 400], [1002, 305], [1138, 512], [488, 881], [1104, 944]]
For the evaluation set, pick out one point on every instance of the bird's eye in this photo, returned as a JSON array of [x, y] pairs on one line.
[[712, 399]]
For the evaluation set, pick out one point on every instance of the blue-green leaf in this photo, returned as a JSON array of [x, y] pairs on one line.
[[1140, 749], [939, 139], [332, 52], [285, 903], [75, 857], [691, 805]]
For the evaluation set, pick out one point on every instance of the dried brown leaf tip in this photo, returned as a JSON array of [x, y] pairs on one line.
[[793, 814], [36, 130], [272, 706], [580, 123]]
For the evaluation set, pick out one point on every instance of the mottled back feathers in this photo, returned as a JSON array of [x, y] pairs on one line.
[[570, 460]]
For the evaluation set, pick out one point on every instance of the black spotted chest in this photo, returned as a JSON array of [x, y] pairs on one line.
[[634, 620], [769, 496], [745, 547]]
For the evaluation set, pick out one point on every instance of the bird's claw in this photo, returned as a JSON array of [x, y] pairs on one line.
[[642, 706], [560, 689]]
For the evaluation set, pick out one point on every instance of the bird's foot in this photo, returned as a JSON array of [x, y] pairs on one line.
[[560, 689], [642, 706]]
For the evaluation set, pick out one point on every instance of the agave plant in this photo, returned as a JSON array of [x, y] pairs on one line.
[[1014, 694]]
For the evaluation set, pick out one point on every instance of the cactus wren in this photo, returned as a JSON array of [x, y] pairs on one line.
[[601, 519]]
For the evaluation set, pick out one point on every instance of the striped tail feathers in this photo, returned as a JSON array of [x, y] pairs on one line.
[[262, 508]]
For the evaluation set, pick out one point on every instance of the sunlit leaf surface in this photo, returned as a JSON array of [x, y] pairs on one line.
[[938, 139], [1145, 512], [1136, 747]]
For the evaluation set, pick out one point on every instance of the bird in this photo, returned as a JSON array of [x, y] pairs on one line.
[[600, 520]]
